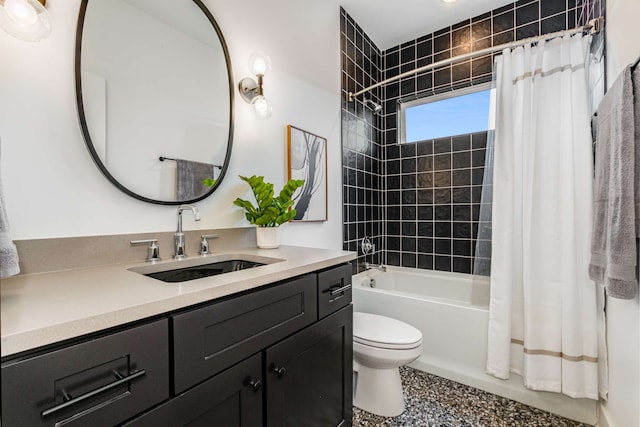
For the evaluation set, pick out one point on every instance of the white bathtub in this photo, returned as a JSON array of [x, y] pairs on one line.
[[452, 312]]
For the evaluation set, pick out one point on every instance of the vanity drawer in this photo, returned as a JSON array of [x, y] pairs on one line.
[[105, 381], [334, 289], [210, 339]]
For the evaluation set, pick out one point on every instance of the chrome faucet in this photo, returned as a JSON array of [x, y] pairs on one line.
[[179, 236], [379, 267]]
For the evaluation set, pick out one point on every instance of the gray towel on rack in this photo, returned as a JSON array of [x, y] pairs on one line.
[[613, 245], [635, 77], [9, 262], [189, 179]]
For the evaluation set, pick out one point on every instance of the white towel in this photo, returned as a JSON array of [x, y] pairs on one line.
[[613, 244], [9, 262]]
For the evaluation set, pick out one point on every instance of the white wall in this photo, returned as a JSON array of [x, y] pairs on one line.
[[623, 407], [53, 189]]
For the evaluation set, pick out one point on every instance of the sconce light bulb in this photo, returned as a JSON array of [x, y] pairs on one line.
[[21, 12], [259, 63], [261, 107], [25, 19]]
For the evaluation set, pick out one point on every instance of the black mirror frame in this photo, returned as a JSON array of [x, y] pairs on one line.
[[85, 129]]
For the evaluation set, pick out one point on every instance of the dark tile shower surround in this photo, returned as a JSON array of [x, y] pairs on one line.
[[424, 203], [433, 198], [362, 163]]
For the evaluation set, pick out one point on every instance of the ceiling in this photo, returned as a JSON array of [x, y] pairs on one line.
[[391, 22]]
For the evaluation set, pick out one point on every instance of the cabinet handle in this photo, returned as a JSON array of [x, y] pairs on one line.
[[92, 393], [255, 385], [280, 372], [337, 291]]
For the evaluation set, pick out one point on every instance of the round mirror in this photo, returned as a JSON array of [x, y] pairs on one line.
[[155, 96]]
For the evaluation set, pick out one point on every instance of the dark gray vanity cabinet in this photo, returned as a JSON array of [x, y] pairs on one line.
[[309, 375], [212, 338], [308, 383], [101, 382], [299, 330], [277, 356]]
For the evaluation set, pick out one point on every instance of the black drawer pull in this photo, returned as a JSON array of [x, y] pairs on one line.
[[336, 291], [92, 393]]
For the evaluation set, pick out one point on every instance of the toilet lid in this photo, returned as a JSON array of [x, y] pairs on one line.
[[384, 332]]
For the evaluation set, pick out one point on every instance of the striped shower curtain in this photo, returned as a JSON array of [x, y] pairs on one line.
[[542, 321]]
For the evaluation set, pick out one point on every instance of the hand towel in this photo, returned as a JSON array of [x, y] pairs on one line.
[[189, 179], [636, 108], [9, 262], [613, 246]]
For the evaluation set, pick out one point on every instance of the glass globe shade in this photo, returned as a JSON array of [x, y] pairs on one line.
[[261, 107], [25, 19], [21, 12], [259, 63]]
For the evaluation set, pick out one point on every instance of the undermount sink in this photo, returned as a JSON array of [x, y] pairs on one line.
[[200, 271], [197, 268]]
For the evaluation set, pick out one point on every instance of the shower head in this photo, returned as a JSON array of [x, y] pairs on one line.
[[373, 105]]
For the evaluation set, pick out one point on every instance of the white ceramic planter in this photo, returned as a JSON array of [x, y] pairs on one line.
[[267, 237]]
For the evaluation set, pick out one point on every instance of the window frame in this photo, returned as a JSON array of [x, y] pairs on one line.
[[404, 105]]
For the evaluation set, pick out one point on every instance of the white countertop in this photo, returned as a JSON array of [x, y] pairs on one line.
[[42, 309]]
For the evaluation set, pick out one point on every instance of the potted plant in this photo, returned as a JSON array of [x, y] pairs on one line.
[[270, 212]]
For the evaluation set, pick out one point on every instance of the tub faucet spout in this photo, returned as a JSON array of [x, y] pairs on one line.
[[178, 237], [379, 267]]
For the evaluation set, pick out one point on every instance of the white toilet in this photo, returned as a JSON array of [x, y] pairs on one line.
[[380, 346]]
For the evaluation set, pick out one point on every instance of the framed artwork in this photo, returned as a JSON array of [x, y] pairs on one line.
[[308, 161]]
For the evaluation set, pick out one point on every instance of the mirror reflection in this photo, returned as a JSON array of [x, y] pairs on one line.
[[155, 96]]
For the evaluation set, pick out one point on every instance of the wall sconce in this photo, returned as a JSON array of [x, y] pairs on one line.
[[25, 19], [251, 90]]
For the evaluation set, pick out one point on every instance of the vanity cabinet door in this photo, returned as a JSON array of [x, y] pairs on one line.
[[232, 398], [207, 340], [309, 375], [101, 382]]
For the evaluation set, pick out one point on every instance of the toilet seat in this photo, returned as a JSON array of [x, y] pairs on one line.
[[387, 345], [384, 332]]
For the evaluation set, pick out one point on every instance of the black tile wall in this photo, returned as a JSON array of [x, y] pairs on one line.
[[423, 206], [362, 166], [433, 199]]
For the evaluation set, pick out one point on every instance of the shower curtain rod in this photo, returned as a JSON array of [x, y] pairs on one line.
[[594, 27]]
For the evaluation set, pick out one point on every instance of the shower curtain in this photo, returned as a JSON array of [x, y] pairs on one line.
[[542, 319]]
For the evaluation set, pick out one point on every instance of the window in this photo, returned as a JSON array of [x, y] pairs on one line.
[[455, 113]]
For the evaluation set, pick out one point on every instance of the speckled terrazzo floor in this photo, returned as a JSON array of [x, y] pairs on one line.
[[437, 402]]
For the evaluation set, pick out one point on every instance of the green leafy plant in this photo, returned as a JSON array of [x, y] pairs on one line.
[[209, 182], [270, 211]]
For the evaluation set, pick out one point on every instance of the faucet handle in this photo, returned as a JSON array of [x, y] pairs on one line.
[[204, 243], [366, 246], [153, 250]]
